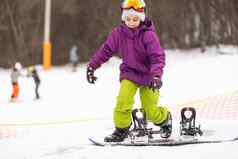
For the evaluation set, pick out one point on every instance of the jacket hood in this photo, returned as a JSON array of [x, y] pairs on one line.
[[147, 25]]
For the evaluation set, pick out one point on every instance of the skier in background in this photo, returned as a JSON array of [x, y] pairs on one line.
[[143, 61], [73, 58], [32, 72], [15, 74]]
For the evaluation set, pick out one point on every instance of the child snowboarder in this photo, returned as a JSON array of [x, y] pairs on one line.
[[32, 72], [142, 65], [15, 74]]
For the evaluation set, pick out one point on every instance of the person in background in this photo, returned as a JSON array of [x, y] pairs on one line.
[[15, 74], [73, 58], [32, 72]]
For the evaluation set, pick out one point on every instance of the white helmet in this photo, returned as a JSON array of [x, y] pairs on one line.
[[18, 65]]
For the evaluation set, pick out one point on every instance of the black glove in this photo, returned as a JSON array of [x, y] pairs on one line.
[[156, 83], [90, 75]]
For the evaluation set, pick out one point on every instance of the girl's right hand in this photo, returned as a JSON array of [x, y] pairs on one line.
[[90, 75]]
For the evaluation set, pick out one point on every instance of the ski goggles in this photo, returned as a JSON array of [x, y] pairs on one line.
[[137, 5]]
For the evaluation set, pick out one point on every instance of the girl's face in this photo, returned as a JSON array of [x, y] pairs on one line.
[[132, 21]]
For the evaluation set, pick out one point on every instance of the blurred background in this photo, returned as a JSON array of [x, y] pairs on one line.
[[182, 24]]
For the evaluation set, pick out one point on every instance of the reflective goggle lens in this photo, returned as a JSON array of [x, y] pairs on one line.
[[135, 4]]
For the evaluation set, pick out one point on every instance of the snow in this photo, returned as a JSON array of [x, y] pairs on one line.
[[71, 110]]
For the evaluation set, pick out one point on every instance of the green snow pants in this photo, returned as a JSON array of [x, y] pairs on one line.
[[149, 101]]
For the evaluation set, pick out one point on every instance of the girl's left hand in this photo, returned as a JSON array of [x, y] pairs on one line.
[[156, 83]]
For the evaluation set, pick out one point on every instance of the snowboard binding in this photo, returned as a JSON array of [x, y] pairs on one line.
[[187, 124], [140, 123], [140, 131]]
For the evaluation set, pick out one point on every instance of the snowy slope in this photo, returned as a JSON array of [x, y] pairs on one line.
[[71, 110]]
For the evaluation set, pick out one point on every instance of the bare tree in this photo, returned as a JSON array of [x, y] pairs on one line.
[[24, 29]]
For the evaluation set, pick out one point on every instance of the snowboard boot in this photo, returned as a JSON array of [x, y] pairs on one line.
[[166, 127], [118, 135]]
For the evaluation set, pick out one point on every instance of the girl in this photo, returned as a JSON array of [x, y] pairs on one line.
[[142, 65]]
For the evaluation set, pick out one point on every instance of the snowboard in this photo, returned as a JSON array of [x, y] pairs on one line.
[[162, 142], [141, 135]]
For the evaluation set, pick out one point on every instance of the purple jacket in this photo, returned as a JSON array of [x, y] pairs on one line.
[[142, 56]]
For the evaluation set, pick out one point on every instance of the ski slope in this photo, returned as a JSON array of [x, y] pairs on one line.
[[71, 110]]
